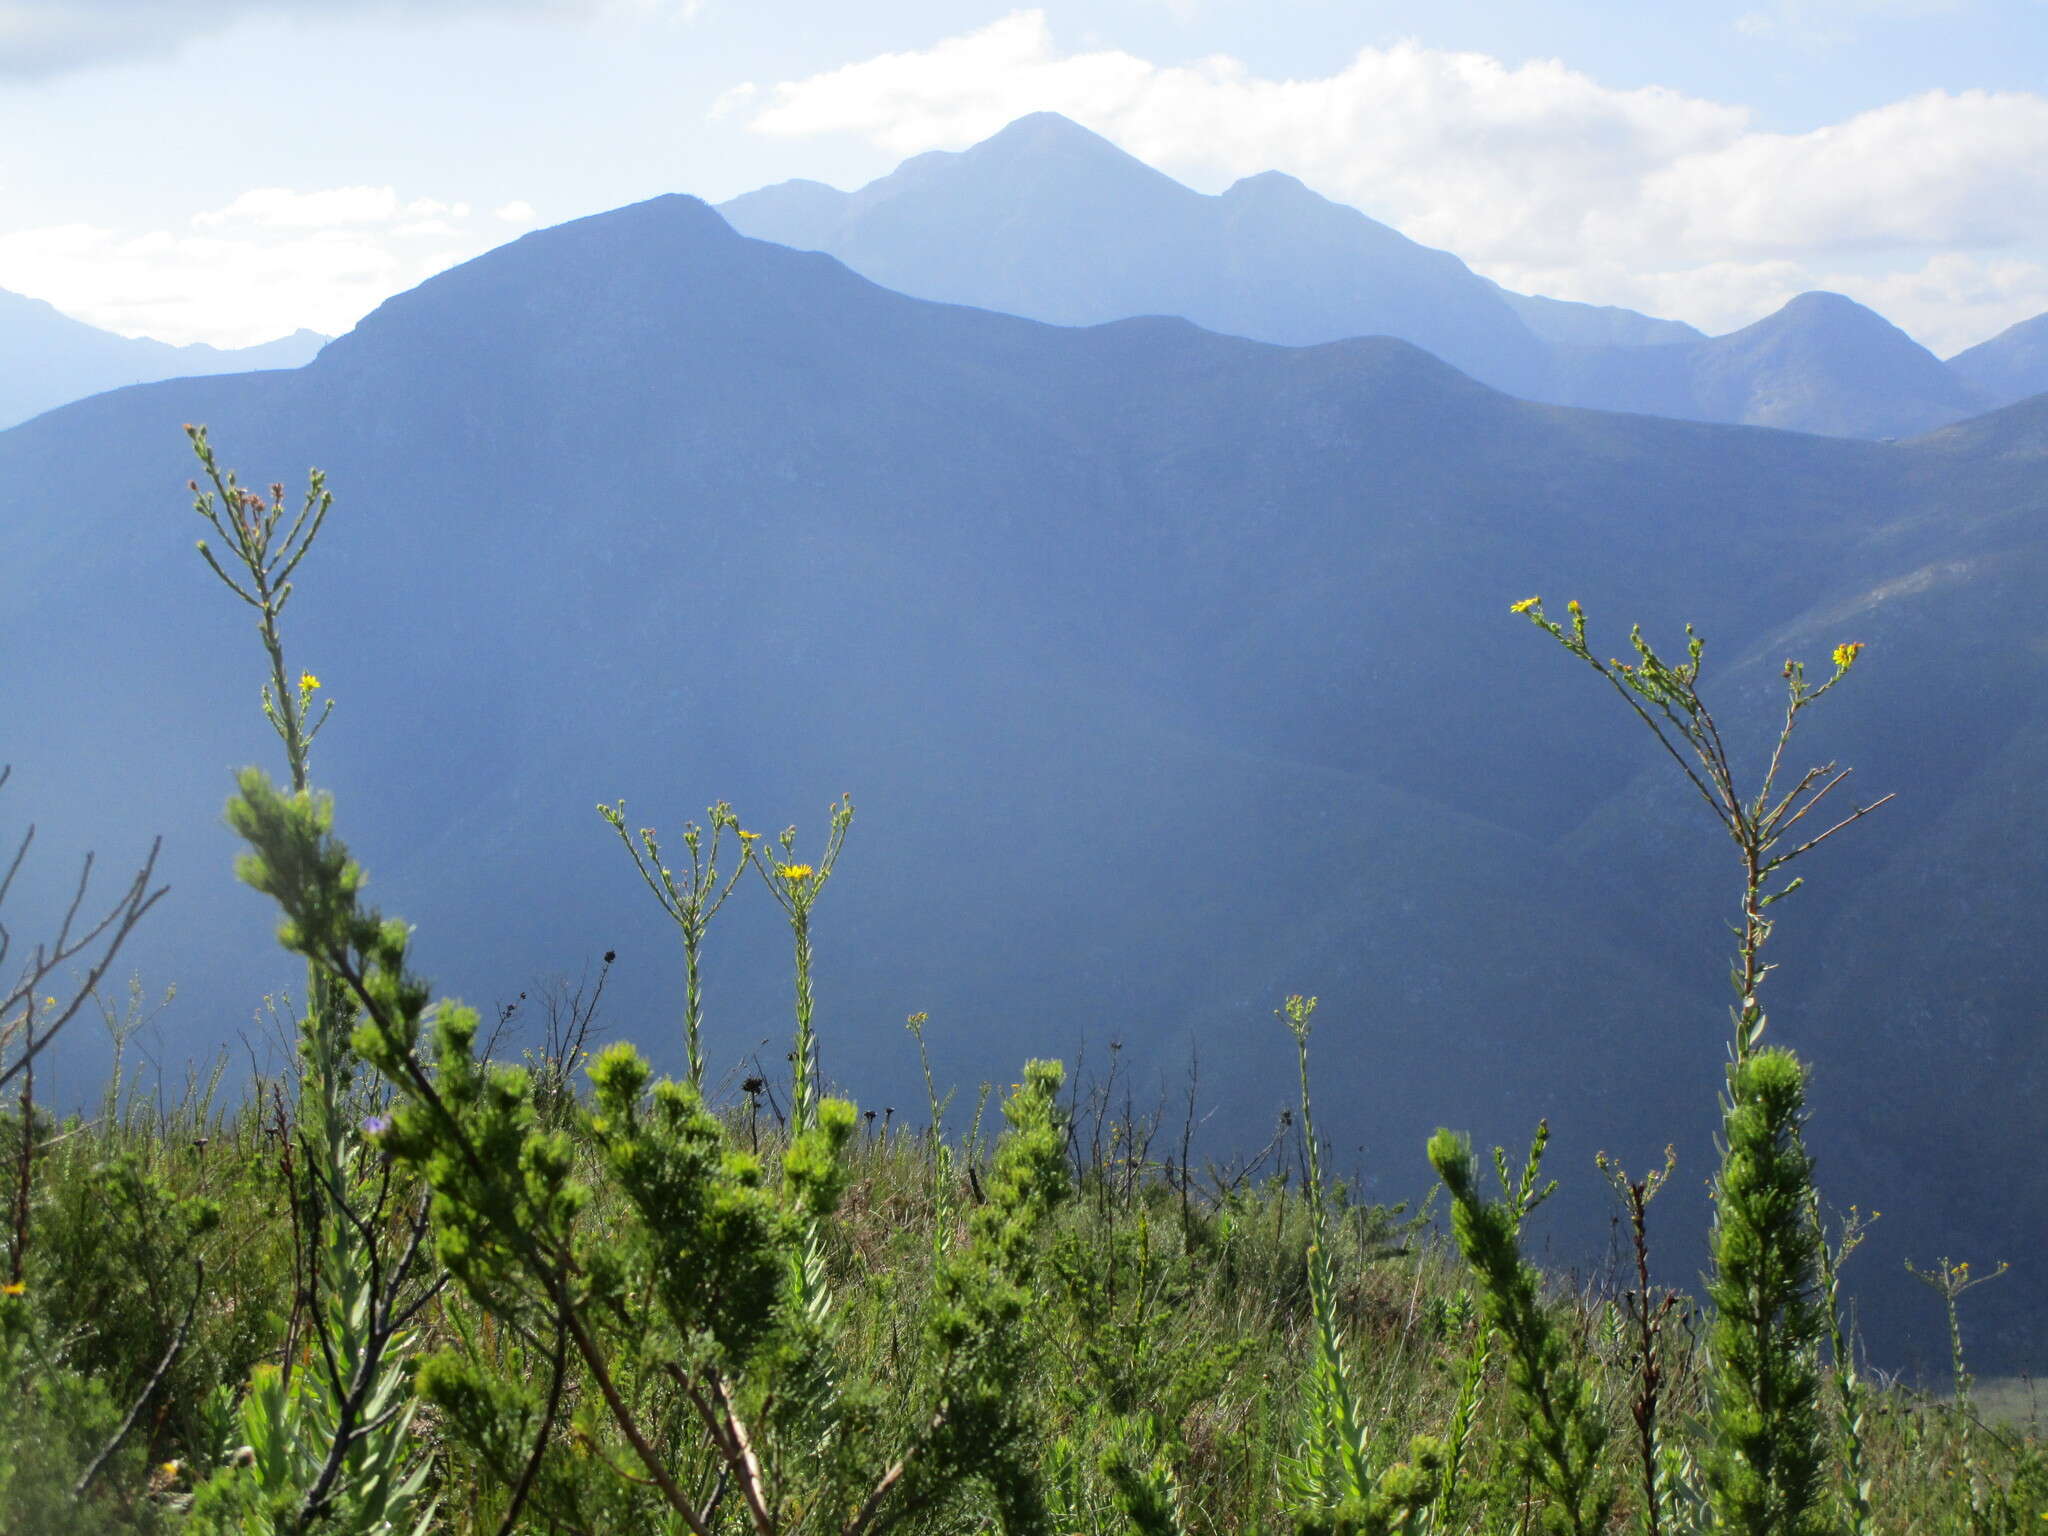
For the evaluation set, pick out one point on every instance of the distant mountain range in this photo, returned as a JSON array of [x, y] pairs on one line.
[[1170, 672], [1049, 220], [48, 359]]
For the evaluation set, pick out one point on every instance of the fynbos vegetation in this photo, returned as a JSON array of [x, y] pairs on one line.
[[406, 1287]]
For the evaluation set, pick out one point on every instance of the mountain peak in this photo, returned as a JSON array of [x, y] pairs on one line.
[[1272, 184], [1835, 311], [593, 273], [1824, 363], [1043, 130], [1046, 140]]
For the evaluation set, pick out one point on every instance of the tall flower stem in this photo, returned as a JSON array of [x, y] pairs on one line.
[[796, 886], [690, 902], [1762, 1469], [354, 1278]]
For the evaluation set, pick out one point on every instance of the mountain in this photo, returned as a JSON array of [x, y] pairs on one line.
[[2009, 367], [1821, 364], [48, 359], [1051, 221], [1563, 322], [1170, 672]]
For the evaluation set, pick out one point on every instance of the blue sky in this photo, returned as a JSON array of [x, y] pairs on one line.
[[208, 170]]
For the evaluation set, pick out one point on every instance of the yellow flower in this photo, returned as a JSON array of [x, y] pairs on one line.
[[749, 837], [1845, 655], [13, 1288], [308, 683], [1573, 608], [1524, 605], [796, 874]]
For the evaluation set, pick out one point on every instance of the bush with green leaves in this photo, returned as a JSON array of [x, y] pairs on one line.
[[695, 1322]]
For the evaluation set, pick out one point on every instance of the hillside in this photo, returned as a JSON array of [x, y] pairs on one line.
[[1170, 672]]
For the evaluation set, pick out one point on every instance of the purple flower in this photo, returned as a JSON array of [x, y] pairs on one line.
[[376, 1125]]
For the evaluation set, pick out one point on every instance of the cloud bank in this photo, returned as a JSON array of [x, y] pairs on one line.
[[273, 259], [1933, 209]]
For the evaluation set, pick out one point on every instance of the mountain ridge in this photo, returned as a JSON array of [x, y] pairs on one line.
[[59, 359], [1049, 220], [1171, 671]]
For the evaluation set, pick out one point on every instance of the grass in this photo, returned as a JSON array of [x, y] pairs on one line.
[[1202, 1301]]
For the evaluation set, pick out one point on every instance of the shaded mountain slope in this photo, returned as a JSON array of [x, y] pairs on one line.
[[1170, 671]]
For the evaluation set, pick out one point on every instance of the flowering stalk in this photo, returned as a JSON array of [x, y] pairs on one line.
[[1763, 1464], [249, 524], [343, 1436], [690, 903], [1949, 1281], [1665, 697], [795, 887]]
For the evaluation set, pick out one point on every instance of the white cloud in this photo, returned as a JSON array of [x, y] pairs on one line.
[[1935, 170], [1609, 194], [518, 211], [733, 100], [270, 261]]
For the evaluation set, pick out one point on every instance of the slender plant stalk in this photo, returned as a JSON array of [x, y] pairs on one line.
[[1850, 1396], [1648, 1318], [690, 903], [796, 887]]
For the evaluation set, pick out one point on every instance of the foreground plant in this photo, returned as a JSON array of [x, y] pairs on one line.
[[1556, 1402], [336, 1433], [796, 887], [1335, 1486], [695, 1311], [1763, 1466], [690, 902], [1648, 1318]]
